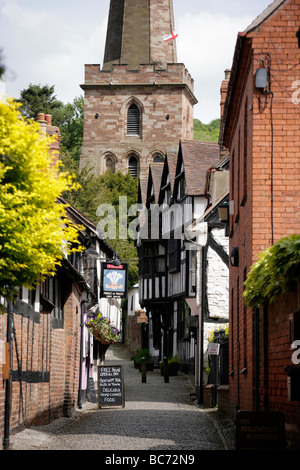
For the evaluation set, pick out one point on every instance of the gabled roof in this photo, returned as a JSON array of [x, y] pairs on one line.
[[142, 191], [169, 170], [156, 173], [172, 158], [239, 64], [79, 219], [154, 180], [264, 15], [197, 158]]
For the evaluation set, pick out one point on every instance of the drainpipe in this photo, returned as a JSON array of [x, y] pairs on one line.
[[201, 324], [7, 411], [81, 351], [257, 360]]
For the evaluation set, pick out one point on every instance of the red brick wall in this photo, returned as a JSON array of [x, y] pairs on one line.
[[276, 354], [54, 352], [272, 140], [241, 226]]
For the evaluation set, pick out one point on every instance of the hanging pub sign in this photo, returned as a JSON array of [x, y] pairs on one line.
[[114, 280]]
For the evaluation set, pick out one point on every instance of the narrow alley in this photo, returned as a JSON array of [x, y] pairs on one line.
[[157, 416]]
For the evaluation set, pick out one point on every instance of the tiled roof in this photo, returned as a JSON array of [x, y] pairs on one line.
[[264, 15], [143, 184], [156, 172], [198, 157], [172, 158]]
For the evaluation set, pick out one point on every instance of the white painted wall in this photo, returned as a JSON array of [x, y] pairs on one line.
[[218, 279]]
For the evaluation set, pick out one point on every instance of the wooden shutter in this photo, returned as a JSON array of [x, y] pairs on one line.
[[133, 120]]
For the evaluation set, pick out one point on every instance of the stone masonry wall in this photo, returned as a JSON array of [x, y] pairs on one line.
[[166, 103]]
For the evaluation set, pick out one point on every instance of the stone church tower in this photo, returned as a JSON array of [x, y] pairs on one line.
[[140, 104]]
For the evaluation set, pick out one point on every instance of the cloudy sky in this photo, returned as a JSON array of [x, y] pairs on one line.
[[48, 42]]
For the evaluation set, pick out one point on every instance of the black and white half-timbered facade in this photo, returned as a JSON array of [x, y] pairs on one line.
[[174, 198], [210, 236]]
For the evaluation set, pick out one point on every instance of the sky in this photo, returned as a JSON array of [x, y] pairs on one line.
[[49, 42]]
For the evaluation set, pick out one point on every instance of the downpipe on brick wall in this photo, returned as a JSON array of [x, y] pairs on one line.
[[82, 303], [7, 410]]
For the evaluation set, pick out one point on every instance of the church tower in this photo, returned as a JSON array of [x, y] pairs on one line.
[[140, 103]]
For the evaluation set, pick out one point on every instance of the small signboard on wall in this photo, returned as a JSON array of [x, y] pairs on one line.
[[213, 349], [260, 430]]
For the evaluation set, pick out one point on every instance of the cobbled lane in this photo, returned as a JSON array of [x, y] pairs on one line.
[[157, 416]]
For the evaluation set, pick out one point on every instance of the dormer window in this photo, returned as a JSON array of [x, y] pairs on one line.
[[133, 121]]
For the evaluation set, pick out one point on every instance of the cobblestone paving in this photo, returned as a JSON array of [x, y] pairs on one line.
[[157, 416]]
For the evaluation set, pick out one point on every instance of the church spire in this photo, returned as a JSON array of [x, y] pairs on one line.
[[135, 33]]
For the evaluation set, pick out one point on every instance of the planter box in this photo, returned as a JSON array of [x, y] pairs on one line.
[[172, 369]]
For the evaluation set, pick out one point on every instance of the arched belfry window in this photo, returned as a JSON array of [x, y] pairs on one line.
[[110, 164], [133, 166], [158, 158], [133, 120]]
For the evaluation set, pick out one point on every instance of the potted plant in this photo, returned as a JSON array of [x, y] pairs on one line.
[[143, 353], [102, 329], [173, 366]]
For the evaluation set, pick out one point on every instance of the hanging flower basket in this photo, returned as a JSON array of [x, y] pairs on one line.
[[99, 336], [100, 327]]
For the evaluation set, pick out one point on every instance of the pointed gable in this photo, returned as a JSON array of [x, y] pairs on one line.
[[194, 159], [142, 190], [168, 177], [153, 183], [264, 15]]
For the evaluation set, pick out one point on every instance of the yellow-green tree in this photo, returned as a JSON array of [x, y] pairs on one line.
[[35, 232]]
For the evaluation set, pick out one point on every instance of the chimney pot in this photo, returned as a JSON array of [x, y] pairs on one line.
[[227, 74], [41, 117], [48, 118]]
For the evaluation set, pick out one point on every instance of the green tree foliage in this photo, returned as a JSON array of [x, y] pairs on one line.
[[68, 117], [34, 228], [120, 185], [275, 272], [207, 132], [39, 99], [99, 191]]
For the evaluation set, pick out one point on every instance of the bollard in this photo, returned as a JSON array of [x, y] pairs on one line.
[[144, 370], [165, 369]]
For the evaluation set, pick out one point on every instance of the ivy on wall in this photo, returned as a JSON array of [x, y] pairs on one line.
[[275, 273]]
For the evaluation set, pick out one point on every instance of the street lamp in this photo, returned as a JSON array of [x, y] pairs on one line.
[[95, 255]]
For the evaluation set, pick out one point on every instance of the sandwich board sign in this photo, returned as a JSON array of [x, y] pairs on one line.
[[111, 386]]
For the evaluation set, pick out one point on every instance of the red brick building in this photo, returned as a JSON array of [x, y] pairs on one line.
[[140, 103], [261, 129], [48, 372]]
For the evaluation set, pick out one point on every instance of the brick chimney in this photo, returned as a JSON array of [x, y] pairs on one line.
[[223, 90], [45, 121], [48, 119], [42, 121]]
